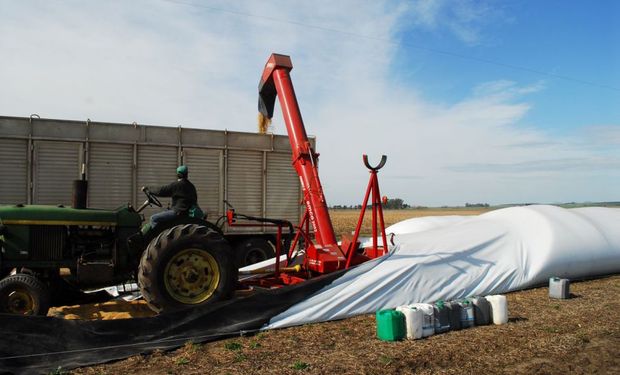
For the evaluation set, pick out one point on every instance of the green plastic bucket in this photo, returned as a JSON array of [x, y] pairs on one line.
[[390, 325]]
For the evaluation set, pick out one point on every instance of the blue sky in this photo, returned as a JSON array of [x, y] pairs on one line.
[[575, 39], [406, 79]]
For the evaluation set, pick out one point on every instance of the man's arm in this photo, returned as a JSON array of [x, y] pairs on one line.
[[162, 191]]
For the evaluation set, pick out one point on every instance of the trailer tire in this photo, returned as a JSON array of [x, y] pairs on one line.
[[187, 265], [253, 250], [24, 294]]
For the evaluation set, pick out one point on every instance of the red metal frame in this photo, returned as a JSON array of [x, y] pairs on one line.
[[377, 211], [323, 255]]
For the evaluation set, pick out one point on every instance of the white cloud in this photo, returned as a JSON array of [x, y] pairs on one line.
[[507, 89], [546, 166], [603, 135], [171, 64]]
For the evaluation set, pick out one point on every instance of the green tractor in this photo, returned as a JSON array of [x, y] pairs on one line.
[[181, 263]]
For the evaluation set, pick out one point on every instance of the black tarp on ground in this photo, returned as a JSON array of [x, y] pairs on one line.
[[33, 345]]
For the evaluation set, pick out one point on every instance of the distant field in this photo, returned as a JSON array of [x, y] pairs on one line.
[[344, 221]]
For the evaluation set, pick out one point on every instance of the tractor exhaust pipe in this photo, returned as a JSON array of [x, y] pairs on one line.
[[80, 191]]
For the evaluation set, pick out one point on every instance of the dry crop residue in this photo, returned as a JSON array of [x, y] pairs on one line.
[[577, 336]]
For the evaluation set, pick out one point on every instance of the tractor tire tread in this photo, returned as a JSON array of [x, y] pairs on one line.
[[155, 251], [35, 286]]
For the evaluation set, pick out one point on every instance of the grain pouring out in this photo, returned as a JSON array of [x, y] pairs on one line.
[[263, 123]]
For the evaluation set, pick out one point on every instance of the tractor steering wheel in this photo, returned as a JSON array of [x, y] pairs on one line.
[[152, 198]]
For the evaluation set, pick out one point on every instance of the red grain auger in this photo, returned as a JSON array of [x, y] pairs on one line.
[[323, 254]]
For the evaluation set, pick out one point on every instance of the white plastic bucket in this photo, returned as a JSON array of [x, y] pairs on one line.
[[414, 319], [499, 308]]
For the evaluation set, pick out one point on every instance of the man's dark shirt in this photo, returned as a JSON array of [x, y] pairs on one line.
[[183, 194]]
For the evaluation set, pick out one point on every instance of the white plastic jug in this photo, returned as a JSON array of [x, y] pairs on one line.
[[499, 308], [414, 319], [428, 316]]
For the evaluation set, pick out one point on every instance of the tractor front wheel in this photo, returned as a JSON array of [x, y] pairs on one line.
[[24, 294], [187, 265]]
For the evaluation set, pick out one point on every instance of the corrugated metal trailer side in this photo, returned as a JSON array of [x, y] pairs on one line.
[[281, 200], [244, 182], [207, 173], [14, 170], [56, 165], [40, 158], [111, 174], [155, 165]]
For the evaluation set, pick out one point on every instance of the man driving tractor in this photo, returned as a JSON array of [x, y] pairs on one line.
[[184, 198]]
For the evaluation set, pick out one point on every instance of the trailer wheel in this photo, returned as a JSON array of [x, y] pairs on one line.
[[253, 250], [187, 265], [24, 294]]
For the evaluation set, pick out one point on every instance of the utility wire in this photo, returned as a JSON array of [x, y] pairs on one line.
[[412, 45]]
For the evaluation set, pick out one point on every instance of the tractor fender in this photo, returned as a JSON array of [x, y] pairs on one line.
[[151, 234]]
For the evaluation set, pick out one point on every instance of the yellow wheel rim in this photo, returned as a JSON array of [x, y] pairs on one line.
[[191, 276], [20, 302]]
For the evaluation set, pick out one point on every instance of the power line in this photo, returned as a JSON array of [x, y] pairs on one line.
[[412, 45]]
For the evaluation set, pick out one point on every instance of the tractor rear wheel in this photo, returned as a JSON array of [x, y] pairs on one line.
[[187, 265], [24, 294]]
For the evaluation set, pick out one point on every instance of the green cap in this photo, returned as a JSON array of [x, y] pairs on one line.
[[182, 170]]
